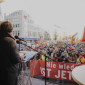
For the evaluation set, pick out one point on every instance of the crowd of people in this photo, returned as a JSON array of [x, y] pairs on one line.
[[10, 57], [67, 53]]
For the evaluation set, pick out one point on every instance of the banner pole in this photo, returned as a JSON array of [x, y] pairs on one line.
[[45, 70]]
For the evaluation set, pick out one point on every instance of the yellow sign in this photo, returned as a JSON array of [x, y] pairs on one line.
[[77, 41]]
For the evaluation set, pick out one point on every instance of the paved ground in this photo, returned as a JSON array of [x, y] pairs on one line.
[[26, 79], [34, 81], [56, 81]]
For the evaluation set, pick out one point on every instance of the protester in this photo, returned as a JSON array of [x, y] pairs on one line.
[[63, 58], [55, 57], [81, 59], [43, 55], [8, 55]]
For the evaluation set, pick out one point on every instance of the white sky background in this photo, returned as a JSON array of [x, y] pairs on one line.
[[68, 14]]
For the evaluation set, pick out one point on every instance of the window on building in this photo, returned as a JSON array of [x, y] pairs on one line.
[[13, 33], [34, 34], [18, 33], [13, 25], [15, 20], [16, 25], [28, 33]]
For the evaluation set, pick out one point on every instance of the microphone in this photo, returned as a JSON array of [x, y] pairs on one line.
[[16, 37]]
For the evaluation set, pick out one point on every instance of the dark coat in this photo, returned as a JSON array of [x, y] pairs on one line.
[[9, 57], [63, 59]]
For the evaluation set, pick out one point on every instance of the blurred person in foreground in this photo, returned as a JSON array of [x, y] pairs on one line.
[[8, 55]]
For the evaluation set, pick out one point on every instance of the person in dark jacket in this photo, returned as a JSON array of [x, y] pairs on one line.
[[9, 57], [63, 58]]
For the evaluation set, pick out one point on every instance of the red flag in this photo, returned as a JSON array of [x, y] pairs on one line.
[[36, 42], [83, 38]]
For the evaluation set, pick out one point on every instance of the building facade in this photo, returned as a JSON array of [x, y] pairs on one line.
[[46, 36], [1, 17], [24, 26]]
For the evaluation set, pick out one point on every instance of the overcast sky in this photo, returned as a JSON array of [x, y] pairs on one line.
[[68, 15]]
